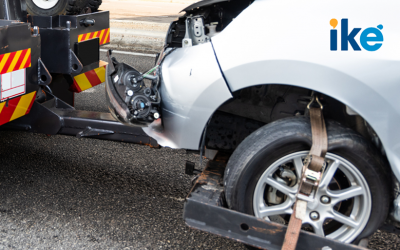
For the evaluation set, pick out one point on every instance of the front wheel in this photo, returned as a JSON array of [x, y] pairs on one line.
[[262, 179], [60, 7]]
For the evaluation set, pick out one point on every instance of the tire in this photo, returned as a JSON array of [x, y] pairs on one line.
[[93, 4], [60, 7], [263, 151]]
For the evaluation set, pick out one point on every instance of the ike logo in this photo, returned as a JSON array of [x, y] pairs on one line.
[[370, 39]]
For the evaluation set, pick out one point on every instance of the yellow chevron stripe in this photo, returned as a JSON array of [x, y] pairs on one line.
[[88, 37], [83, 82], [11, 68], [2, 106], [4, 60], [108, 33], [27, 55], [23, 105], [14, 61], [101, 36], [101, 73]]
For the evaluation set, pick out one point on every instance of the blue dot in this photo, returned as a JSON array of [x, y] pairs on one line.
[[380, 26]]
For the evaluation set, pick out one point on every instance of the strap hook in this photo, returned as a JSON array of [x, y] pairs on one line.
[[315, 98]]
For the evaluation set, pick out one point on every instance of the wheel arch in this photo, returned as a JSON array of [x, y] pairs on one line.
[[265, 46], [363, 99]]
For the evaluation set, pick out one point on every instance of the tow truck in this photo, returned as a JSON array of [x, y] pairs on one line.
[[46, 59]]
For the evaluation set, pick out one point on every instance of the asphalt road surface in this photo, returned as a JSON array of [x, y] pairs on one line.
[[59, 192]]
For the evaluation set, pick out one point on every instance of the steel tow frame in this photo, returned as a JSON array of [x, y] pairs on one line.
[[57, 55], [54, 116], [206, 210]]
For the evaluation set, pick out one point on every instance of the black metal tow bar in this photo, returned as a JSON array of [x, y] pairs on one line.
[[205, 210]]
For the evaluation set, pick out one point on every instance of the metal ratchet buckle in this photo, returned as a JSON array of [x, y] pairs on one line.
[[313, 178], [312, 175]]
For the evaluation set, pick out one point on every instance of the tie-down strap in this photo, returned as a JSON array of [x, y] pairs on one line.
[[315, 161], [313, 168]]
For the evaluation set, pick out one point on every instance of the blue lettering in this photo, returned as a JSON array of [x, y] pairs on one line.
[[364, 38], [371, 39], [333, 40], [349, 38]]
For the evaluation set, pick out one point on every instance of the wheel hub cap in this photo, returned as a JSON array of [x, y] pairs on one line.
[[45, 4], [340, 210]]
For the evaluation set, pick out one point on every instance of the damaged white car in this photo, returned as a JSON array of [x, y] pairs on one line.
[[237, 76]]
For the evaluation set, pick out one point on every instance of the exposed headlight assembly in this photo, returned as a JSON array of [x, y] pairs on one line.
[[129, 100]]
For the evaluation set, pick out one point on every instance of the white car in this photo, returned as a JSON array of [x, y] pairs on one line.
[[236, 76]]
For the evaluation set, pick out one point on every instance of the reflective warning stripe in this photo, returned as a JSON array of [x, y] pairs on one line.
[[103, 35], [89, 79], [16, 107], [16, 60]]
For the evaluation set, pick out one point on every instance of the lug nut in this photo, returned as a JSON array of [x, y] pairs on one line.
[[325, 199], [314, 215]]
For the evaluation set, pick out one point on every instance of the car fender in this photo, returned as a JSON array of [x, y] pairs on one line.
[[192, 88], [288, 42]]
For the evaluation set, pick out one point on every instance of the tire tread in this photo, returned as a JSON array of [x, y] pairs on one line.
[[341, 139]]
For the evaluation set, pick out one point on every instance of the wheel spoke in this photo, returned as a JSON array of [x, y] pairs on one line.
[[340, 195], [344, 219], [284, 189], [284, 208], [329, 173], [318, 228], [345, 189], [298, 164]]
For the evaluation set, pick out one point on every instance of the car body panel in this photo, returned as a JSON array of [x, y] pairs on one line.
[[276, 42], [192, 88]]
